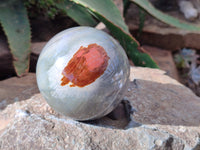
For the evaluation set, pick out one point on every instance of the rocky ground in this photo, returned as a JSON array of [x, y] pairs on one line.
[[165, 116], [157, 112]]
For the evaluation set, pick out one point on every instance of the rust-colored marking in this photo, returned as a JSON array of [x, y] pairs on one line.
[[86, 65]]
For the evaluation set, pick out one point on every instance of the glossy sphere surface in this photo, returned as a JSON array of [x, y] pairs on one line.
[[82, 73]]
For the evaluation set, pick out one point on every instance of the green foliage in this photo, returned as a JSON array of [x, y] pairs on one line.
[[186, 58], [51, 8], [142, 15], [78, 13], [47, 8], [179, 60], [146, 5], [14, 20], [114, 22]]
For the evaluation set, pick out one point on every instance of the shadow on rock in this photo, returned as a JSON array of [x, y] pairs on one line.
[[152, 98]]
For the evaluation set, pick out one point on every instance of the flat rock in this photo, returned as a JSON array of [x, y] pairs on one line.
[[164, 59], [161, 35], [16, 89], [165, 117], [160, 99], [162, 102]]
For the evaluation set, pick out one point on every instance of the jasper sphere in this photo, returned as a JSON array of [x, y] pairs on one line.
[[83, 73]]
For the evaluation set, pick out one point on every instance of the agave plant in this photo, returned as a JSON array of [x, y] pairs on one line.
[[15, 23]]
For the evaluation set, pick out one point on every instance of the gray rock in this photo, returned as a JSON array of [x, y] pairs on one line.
[[17, 89], [166, 118]]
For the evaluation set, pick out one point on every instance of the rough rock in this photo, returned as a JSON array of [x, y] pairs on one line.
[[165, 117], [161, 35], [162, 102]]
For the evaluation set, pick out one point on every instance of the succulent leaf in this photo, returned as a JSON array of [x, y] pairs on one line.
[[78, 13], [108, 13], [14, 20], [146, 5]]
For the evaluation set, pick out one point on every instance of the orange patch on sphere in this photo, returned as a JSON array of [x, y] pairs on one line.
[[86, 65]]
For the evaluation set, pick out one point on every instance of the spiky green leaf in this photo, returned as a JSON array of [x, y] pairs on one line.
[[145, 4], [108, 13], [14, 20], [78, 13]]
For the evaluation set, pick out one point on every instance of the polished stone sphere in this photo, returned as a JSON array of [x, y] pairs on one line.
[[83, 73]]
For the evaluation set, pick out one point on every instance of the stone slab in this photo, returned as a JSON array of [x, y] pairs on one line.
[[16, 89], [166, 112]]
